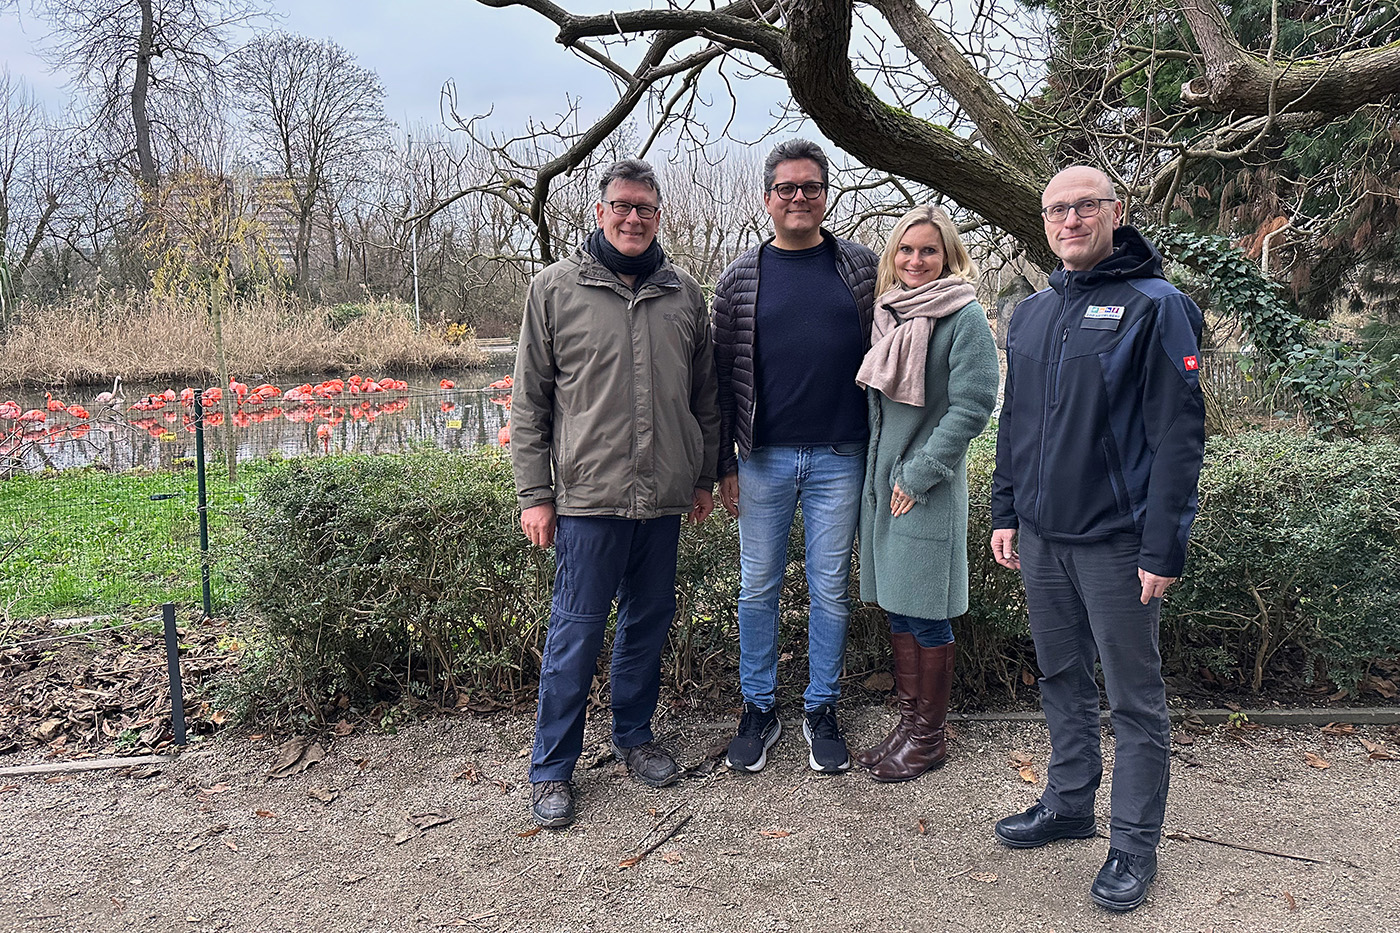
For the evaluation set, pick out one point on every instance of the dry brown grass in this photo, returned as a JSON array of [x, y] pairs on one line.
[[149, 337]]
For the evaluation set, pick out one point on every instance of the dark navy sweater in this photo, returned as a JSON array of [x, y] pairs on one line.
[[1102, 427], [808, 345]]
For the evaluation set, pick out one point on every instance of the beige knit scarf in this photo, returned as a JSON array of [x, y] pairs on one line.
[[900, 334]]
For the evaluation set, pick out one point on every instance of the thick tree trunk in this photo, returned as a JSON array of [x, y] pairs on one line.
[[145, 158]]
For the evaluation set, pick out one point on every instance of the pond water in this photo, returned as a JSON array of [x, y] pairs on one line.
[[149, 426]]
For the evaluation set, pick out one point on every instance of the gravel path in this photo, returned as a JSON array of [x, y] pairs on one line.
[[209, 842]]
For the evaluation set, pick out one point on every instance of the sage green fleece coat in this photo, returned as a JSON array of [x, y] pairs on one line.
[[916, 564]]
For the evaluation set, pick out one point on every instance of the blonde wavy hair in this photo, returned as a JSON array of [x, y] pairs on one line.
[[956, 260]]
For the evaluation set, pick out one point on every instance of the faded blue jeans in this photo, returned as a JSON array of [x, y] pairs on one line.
[[826, 481]]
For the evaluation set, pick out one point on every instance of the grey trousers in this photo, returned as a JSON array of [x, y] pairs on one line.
[[1084, 600]]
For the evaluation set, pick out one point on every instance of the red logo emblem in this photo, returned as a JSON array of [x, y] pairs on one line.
[[1190, 362]]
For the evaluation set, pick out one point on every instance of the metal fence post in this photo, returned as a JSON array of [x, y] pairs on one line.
[[203, 506], [177, 687]]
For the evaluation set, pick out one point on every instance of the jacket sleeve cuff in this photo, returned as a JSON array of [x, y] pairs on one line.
[[918, 475], [529, 498]]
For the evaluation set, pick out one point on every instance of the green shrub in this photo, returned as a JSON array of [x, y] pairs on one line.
[[372, 574], [1295, 557], [339, 317]]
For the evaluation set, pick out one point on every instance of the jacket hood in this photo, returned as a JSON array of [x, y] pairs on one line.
[[1133, 257]]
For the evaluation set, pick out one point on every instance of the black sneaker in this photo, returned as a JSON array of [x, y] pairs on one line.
[[823, 734], [649, 763], [758, 730], [552, 803]]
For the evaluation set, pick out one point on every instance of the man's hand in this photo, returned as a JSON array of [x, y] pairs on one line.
[[1004, 548], [704, 504], [729, 493], [538, 524], [1153, 586]]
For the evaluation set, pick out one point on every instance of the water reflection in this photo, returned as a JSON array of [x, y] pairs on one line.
[[147, 425]]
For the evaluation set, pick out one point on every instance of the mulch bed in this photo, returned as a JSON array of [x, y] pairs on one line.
[[103, 689]]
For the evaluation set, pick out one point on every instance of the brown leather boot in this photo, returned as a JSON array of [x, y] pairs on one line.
[[926, 743], [906, 685]]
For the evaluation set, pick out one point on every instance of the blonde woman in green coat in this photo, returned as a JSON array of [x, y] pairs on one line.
[[931, 378]]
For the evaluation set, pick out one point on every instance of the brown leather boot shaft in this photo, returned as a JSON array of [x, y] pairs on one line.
[[925, 744], [906, 684]]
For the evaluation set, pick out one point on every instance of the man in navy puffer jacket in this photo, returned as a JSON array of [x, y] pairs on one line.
[[1099, 450]]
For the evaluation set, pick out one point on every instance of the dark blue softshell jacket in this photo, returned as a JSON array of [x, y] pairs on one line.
[[1102, 426]]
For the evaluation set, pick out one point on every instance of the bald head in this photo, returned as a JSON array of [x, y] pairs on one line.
[[1083, 238]]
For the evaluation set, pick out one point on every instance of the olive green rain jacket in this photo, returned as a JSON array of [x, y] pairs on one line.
[[614, 408]]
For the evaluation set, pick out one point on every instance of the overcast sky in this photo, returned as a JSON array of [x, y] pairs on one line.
[[506, 58]]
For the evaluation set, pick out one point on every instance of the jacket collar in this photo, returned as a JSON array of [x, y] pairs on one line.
[[593, 272]]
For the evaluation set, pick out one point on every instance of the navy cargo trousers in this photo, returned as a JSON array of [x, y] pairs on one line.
[[1085, 601], [597, 559]]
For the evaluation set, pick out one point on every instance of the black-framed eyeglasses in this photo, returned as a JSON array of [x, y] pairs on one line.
[[810, 190], [623, 208], [1085, 207]]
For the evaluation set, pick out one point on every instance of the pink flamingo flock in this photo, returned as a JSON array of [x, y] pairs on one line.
[[161, 414]]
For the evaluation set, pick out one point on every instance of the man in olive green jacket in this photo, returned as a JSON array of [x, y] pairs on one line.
[[614, 436]]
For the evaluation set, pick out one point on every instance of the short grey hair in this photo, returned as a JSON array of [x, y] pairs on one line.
[[790, 150], [629, 170]]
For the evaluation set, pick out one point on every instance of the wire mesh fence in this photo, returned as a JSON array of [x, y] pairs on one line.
[[99, 493]]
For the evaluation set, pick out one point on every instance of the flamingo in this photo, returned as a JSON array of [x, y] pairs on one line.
[[79, 412], [505, 383], [10, 410], [111, 399], [447, 384], [503, 435], [53, 404], [33, 415]]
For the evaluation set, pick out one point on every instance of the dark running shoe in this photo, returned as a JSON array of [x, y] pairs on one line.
[[552, 803], [649, 763], [758, 730], [823, 733]]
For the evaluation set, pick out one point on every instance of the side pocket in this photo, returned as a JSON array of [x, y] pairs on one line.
[[1115, 476]]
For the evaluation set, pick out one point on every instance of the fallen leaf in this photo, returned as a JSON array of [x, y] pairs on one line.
[[879, 682], [343, 728], [1292, 904], [1183, 738], [532, 831], [1316, 761], [468, 774], [9, 789], [523, 753], [1028, 775], [774, 833], [1341, 694], [1020, 760], [1382, 685], [671, 858], [323, 794], [218, 717], [216, 789], [985, 877], [1377, 752], [1027, 677], [503, 784], [295, 756], [231, 844], [1338, 728], [629, 862], [923, 828], [354, 879], [266, 814]]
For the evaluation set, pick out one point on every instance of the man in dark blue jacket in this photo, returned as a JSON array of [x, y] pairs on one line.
[[1099, 450]]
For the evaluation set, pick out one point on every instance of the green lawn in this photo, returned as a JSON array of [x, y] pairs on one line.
[[88, 542]]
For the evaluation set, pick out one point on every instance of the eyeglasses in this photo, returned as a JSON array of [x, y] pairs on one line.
[[623, 208], [1087, 207], [810, 190]]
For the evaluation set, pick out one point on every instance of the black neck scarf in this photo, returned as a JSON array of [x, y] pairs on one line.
[[619, 263]]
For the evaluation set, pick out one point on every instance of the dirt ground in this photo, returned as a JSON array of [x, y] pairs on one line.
[[429, 829]]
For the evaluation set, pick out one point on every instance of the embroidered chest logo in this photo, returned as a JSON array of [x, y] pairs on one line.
[[1104, 313], [1190, 362]]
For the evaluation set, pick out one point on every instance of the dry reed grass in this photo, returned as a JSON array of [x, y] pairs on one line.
[[89, 341]]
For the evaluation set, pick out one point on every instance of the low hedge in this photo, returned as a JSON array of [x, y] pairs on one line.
[[379, 575]]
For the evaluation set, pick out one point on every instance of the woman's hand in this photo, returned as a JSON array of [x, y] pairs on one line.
[[900, 502]]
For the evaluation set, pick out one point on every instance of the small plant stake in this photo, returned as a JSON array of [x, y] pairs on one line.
[[177, 688]]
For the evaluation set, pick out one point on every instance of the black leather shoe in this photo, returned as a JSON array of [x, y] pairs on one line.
[[552, 803], [1040, 825], [1123, 881], [649, 763]]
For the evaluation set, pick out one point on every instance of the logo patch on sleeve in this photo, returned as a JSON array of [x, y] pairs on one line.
[[1104, 313], [1190, 362]]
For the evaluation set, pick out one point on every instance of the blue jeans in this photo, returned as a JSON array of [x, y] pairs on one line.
[[929, 633], [827, 482], [597, 559]]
